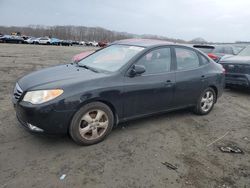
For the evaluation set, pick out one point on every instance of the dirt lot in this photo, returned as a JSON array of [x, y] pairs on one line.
[[132, 155]]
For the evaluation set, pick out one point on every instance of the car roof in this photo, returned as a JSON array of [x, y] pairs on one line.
[[142, 42]]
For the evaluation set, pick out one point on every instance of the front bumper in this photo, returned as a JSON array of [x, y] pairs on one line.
[[44, 117], [237, 79]]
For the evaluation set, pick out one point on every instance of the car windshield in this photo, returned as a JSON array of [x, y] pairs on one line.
[[111, 58], [245, 51]]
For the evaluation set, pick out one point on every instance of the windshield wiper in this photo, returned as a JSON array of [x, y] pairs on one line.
[[89, 68]]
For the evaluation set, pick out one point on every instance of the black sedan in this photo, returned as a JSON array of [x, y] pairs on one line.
[[126, 80], [238, 69], [11, 39]]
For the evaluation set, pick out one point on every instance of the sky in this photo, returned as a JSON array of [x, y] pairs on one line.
[[213, 20]]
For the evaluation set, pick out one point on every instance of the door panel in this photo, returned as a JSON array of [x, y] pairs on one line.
[[153, 90], [188, 87], [148, 94], [189, 77]]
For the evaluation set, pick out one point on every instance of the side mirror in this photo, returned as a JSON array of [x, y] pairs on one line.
[[137, 70]]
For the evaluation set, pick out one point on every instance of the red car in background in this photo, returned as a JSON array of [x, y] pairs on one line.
[[103, 43]]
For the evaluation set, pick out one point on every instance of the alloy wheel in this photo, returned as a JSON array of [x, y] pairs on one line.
[[207, 101], [93, 124]]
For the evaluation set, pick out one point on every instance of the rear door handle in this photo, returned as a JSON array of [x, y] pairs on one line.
[[203, 78], [168, 83]]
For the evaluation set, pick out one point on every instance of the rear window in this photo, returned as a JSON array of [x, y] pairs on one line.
[[219, 49]]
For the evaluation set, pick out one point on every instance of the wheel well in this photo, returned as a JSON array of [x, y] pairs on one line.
[[110, 105], [112, 109], [215, 89]]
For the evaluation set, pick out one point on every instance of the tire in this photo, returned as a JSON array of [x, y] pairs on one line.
[[207, 98], [86, 128]]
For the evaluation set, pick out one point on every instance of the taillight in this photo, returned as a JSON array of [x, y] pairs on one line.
[[212, 56]]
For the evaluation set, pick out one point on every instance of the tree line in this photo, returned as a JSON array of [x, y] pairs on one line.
[[77, 33]]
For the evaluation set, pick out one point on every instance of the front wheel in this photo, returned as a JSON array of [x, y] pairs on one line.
[[206, 102], [91, 124]]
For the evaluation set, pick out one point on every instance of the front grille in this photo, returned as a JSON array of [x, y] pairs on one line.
[[17, 92], [237, 68]]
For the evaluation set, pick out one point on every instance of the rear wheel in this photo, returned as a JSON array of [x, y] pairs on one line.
[[206, 102], [91, 124]]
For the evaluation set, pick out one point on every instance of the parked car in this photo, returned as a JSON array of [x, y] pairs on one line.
[[66, 43], [36, 40], [25, 37], [11, 39], [55, 41], [44, 40], [216, 52], [126, 80], [75, 42], [91, 43], [82, 43], [238, 68], [30, 40], [103, 43], [82, 55]]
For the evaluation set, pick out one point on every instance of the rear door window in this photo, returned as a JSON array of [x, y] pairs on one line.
[[186, 59]]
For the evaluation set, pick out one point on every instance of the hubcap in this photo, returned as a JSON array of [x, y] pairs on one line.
[[207, 101], [93, 124]]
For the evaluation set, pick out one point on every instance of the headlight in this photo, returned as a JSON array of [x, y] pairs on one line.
[[41, 96]]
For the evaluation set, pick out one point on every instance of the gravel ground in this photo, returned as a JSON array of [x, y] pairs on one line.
[[133, 154]]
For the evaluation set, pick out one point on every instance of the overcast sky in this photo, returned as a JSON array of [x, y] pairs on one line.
[[213, 20]]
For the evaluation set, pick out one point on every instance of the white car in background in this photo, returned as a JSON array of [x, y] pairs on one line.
[[82, 43], [92, 43], [30, 40], [44, 40]]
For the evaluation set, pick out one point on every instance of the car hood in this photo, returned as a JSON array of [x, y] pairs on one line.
[[237, 59], [57, 77]]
